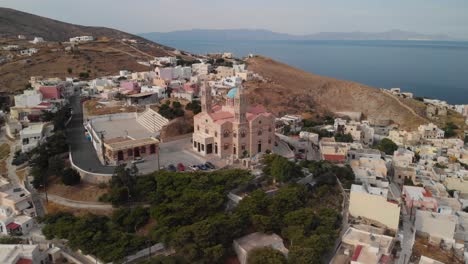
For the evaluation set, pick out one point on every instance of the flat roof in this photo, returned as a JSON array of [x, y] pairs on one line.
[[259, 240], [116, 144], [122, 128]]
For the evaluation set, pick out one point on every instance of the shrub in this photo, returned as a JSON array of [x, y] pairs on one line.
[[70, 177]]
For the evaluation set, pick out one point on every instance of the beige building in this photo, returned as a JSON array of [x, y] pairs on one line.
[[370, 203], [223, 72], [367, 247], [436, 226], [234, 129]]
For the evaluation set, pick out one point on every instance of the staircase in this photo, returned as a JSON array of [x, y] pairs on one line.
[[151, 120]]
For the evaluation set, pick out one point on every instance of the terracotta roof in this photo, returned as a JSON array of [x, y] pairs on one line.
[[332, 157], [12, 226], [24, 261], [357, 252]]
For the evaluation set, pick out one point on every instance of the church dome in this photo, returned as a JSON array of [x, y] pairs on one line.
[[232, 93]]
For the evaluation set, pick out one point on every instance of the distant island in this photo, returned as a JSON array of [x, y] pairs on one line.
[[262, 34]]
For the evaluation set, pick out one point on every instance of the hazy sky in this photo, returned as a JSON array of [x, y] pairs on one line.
[[291, 16]]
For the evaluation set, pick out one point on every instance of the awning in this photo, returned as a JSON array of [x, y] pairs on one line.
[[12, 226], [24, 261]]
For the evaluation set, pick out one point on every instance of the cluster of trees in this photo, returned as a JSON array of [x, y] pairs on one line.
[[125, 187], [449, 130], [194, 106], [46, 160], [327, 173], [171, 112], [190, 216], [110, 239], [326, 120], [321, 132], [341, 137], [309, 228], [387, 146], [280, 168]]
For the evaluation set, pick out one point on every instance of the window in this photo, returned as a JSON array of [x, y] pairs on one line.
[[198, 128], [130, 152], [152, 148], [259, 121], [243, 146], [216, 133], [194, 144], [259, 132], [234, 150], [226, 134], [269, 141], [234, 135], [143, 149], [269, 129], [226, 146], [242, 134], [207, 131]]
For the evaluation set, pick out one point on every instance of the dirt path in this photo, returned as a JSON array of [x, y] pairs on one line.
[[77, 204], [411, 110], [144, 53]]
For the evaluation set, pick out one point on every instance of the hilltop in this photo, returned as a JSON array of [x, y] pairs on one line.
[[289, 90], [14, 23], [106, 56]]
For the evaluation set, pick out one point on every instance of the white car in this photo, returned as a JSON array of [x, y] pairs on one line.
[[194, 167], [138, 160]]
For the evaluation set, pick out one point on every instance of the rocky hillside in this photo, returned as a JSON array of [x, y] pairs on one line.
[[14, 22], [289, 90]]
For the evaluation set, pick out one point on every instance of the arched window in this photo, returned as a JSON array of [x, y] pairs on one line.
[[207, 131], [226, 134], [234, 134], [226, 146], [242, 134], [269, 129], [198, 128], [260, 132], [216, 134]]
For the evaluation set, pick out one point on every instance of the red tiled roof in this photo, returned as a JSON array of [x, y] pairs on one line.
[[357, 252], [334, 157], [12, 226], [385, 259], [24, 261]]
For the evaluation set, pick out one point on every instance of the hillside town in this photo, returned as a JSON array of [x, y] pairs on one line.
[[370, 191]]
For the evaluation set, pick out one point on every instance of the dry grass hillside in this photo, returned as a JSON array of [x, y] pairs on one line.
[[98, 58], [291, 90]]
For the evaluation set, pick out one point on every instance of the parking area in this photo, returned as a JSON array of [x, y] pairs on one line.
[[173, 152]]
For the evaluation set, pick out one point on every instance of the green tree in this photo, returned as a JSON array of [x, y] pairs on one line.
[[284, 170], [266, 255], [69, 70], [344, 137], [70, 177], [56, 165], [387, 146]]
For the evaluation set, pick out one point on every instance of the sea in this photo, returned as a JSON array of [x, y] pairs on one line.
[[432, 69]]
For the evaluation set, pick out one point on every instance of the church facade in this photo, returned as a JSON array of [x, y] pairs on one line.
[[235, 129]]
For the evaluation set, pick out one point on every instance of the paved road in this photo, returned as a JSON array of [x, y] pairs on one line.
[[83, 152], [77, 204], [408, 238]]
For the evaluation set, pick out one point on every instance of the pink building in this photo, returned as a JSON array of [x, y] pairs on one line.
[[192, 88], [130, 86], [234, 129], [51, 92], [419, 198]]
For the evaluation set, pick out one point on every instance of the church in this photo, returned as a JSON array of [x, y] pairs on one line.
[[234, 130]]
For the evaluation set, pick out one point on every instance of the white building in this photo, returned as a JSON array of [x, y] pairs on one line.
[[169, 61], [29, 98], [309, 136], [34, 135], [430, 131], [81, 39], [201, 68], [37, 40], [232, 81], [161, 91], [15, 254], [28, 52]]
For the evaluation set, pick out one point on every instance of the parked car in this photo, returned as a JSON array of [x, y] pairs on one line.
[[138, 160], [180, 167], [193, 167], [210, 165], [202, 167], [172, 168]]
